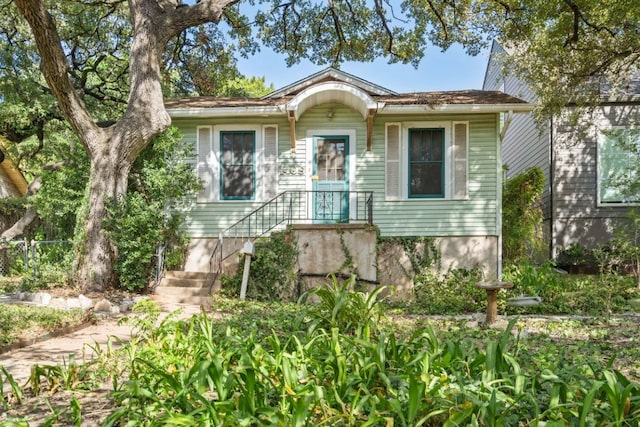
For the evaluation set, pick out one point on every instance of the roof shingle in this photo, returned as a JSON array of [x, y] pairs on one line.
[[457, 97]]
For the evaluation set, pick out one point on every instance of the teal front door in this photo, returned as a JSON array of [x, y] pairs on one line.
[[330, 179]]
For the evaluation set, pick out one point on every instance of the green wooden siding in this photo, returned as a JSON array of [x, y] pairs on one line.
[[475, 216]]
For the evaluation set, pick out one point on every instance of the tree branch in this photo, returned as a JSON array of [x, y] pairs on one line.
[[579, 16], [443, 24], [29, 216], [17, 229], [380, 12], [54, 67]]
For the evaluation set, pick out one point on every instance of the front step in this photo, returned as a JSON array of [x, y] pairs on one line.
[[173, 301], [195, 275], [185, 287]]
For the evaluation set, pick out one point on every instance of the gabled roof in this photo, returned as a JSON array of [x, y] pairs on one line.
[[628, 92], [335, 86], [471, 100], [329, 75]]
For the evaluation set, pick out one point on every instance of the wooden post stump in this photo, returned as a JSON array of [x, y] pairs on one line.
[[492, 289]]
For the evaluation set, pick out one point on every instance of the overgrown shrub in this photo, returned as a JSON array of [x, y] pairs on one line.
[[522, 215], [136, 228], [567, 294], [575, 255], [138, 223], [273, 275], [48, 276], [451, 293]]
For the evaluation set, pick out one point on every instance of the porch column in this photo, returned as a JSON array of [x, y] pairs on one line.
[[292, 129], [370, 113]]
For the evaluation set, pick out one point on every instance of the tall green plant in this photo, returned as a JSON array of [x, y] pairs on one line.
[[137, 227], [341, 308], [273, 275], [522, 215], [138, 223]]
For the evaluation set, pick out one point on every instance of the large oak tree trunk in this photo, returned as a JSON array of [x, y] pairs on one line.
[[113, 150], [96, 256]]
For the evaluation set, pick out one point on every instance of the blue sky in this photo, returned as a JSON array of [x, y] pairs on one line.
[[450, 70]]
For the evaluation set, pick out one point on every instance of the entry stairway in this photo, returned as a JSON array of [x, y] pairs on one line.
[[185, 287], [287, 208]]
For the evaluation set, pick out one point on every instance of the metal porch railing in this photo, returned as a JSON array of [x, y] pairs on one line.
[[287, 208]]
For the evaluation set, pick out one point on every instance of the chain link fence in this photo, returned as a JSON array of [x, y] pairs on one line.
[[19, 257]]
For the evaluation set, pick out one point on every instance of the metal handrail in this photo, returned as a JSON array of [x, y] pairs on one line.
[[291, 207], [160, 252], [217, 250]]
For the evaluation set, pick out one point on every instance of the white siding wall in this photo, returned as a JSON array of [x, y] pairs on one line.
[[526, 144]]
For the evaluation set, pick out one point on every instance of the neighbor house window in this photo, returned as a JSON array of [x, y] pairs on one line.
[[426, 160], [237, 165], [618, 163]]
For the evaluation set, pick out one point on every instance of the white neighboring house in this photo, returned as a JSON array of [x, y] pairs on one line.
[[583, 165]]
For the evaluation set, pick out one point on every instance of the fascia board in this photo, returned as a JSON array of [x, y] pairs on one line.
[[459, 109], [382, 109], [226, 112]]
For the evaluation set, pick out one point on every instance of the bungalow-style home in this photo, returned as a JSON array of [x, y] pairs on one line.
[[335, 152], [585, 165]]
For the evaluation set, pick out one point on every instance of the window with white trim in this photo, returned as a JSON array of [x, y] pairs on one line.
[[426, 160], [237, 162], [618, 163], [237, 165]]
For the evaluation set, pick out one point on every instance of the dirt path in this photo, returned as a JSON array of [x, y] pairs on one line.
[[56, 351]]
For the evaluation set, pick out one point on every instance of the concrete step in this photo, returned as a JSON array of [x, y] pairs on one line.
[[172, 282], [174, 302], [185, 287], [191, 275], [183, 291], [189, 279]]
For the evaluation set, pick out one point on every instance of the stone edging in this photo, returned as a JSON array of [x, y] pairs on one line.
[[101, 309], [45, 299]]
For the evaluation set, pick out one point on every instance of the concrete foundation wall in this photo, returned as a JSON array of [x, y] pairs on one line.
[[199, 253], [395, 267], [323, 249]]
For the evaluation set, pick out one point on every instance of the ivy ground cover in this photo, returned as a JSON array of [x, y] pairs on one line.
[[339, 360]]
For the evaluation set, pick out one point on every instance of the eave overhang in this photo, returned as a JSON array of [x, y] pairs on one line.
[[15, 176], [12, 172], [456, 108], [368, 106], [380, 108], [272, 110]]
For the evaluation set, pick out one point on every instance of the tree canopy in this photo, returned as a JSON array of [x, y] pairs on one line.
[[572, 51], [101, 68]]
